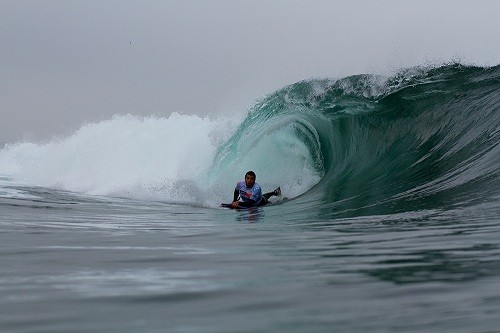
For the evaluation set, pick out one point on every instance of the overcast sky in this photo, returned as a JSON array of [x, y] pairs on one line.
[[63, 63]]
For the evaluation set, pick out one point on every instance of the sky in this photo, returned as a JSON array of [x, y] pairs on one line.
[[65, 63]]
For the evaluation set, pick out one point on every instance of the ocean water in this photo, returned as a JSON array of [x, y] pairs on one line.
[[392, 222]]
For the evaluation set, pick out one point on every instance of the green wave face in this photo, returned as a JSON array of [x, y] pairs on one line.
[[424, 139]]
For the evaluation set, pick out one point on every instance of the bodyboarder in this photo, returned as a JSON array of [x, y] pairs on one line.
[[248, 193]]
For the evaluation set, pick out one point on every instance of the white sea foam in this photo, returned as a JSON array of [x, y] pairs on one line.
[[165, 159], [124, 156]]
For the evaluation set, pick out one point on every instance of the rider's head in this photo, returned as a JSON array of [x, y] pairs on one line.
[[250, 178]]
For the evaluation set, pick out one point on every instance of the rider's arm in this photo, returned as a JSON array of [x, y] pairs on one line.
[[236, 195]]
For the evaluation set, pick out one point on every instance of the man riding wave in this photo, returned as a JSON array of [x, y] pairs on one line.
[[248, 193]]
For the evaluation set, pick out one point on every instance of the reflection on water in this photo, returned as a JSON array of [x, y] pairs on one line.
[[250, 215]]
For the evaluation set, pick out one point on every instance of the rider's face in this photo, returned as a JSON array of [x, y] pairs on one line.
[[249, 180]]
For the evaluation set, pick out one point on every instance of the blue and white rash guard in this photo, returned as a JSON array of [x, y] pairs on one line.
[[249, 193]]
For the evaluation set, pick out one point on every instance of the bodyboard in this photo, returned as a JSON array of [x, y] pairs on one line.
[[228, 205]]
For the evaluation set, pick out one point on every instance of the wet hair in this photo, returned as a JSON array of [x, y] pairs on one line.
[[251, 173]]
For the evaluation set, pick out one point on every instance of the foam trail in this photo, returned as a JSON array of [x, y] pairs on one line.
[[144, 158]]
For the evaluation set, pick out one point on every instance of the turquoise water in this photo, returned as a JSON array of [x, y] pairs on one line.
[[392, 223], [424, 139]]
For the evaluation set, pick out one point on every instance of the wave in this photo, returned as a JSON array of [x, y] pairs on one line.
[[423, 139]]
